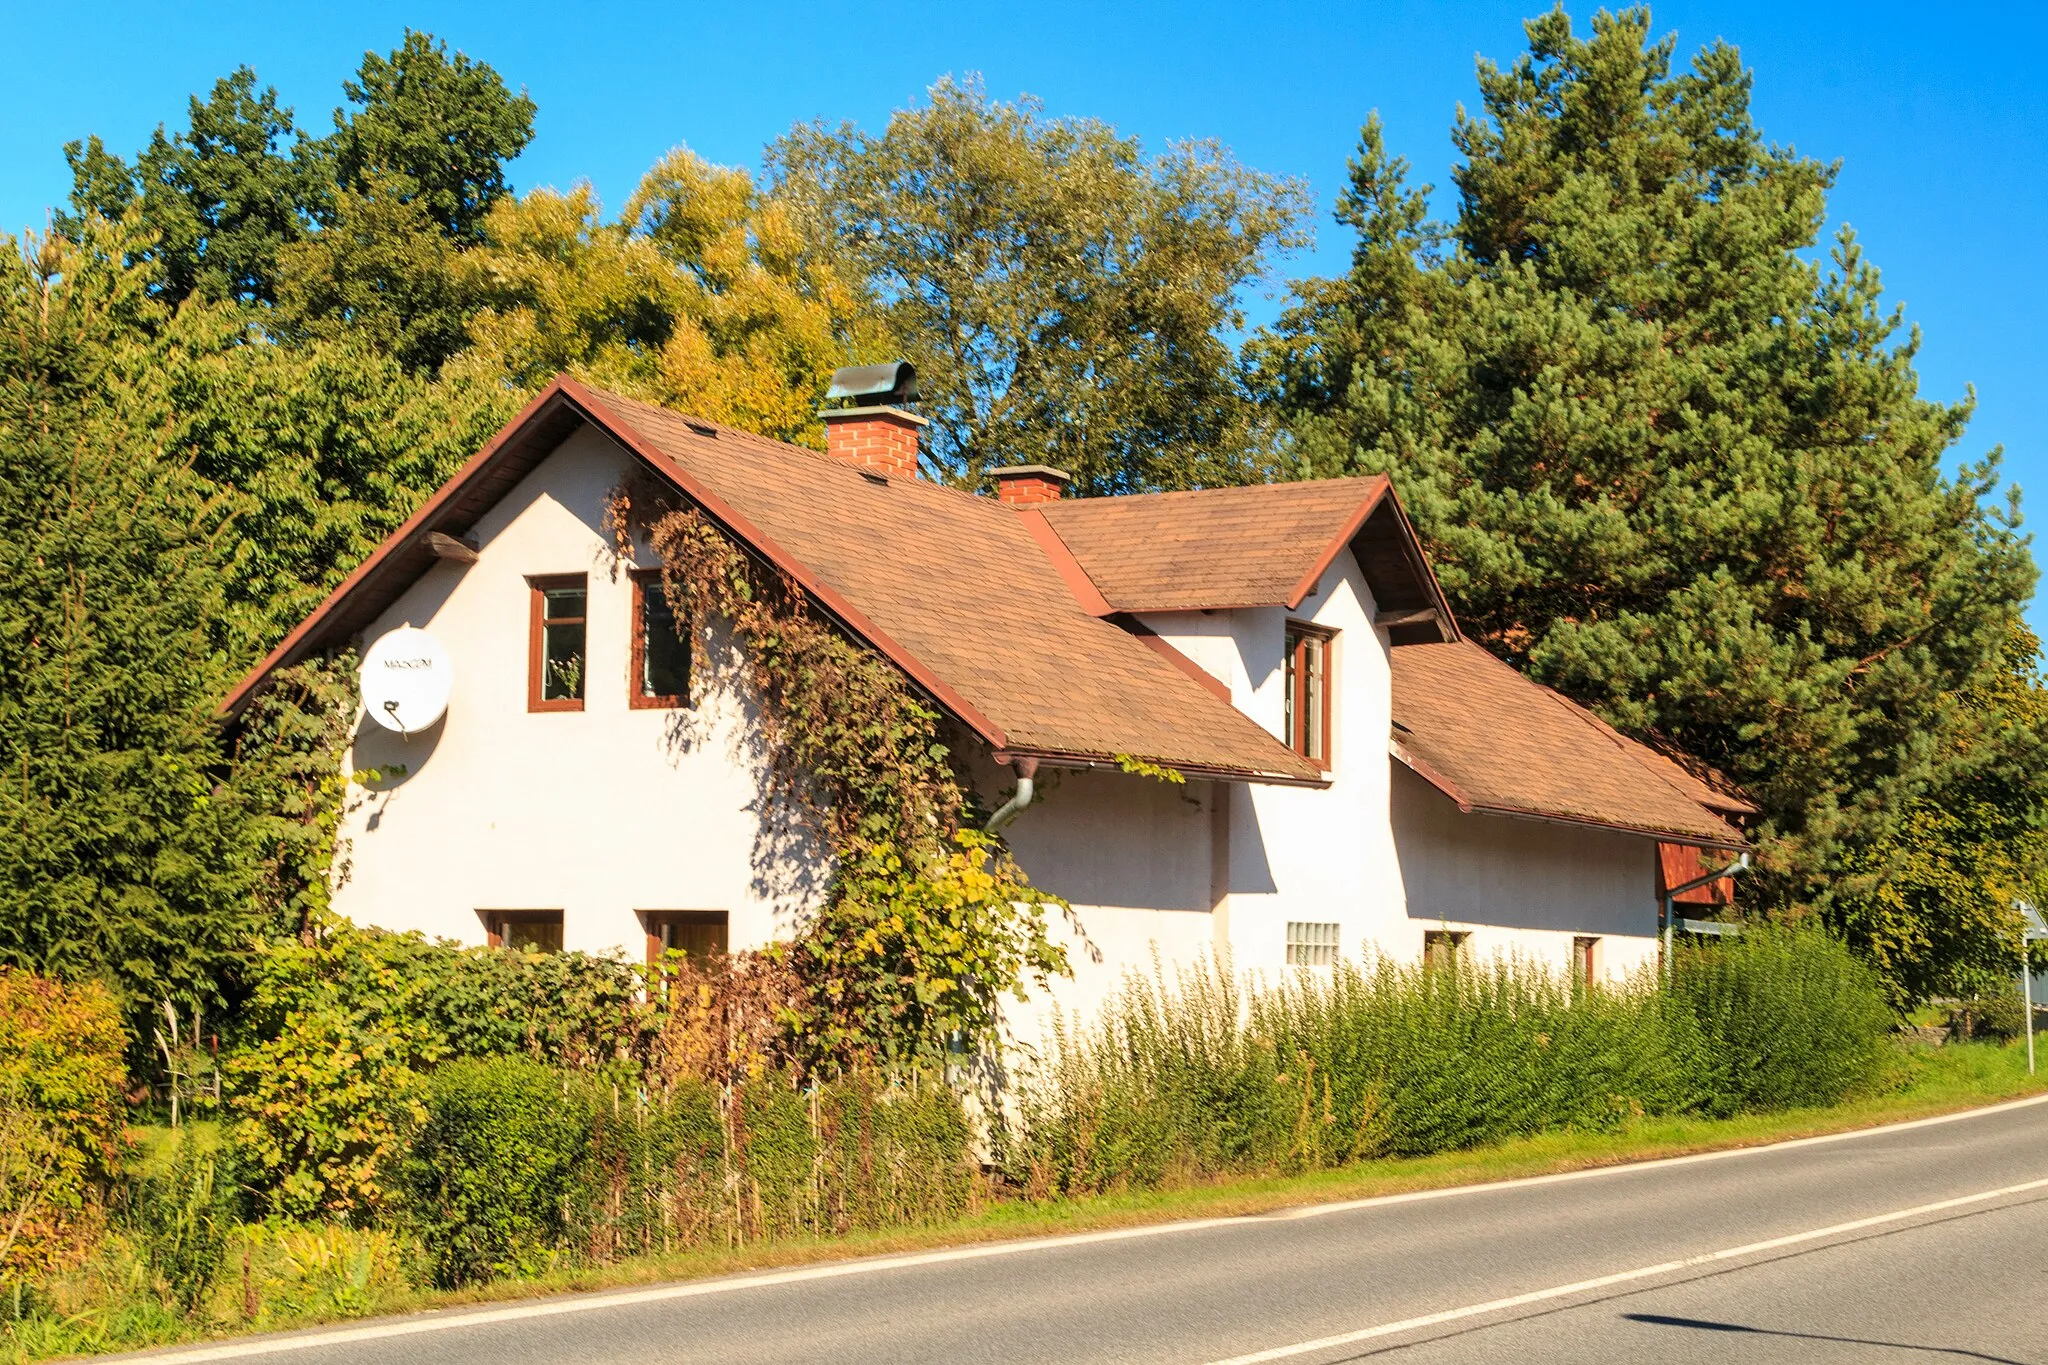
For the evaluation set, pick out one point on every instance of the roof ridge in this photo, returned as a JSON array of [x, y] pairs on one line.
[[1215, 490], [775, 443]]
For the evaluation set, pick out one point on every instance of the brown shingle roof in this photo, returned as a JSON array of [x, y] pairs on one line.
[[1162, 551], [1494, 741], [959, 583]]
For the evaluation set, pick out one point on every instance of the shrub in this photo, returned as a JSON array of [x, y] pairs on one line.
[[1203, 1077], [487, 1174], [61, 1051], [768, 1158], [1199, 1078], [1785, 1015], [326, 1072]]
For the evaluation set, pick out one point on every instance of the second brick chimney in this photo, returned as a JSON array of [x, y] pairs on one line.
[[875, 433], [1024, 484]]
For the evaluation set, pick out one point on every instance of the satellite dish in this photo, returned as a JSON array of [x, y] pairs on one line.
[[406, 679]]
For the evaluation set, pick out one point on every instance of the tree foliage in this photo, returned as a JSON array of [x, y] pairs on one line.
[[1066, 299], [704, 295], [1934, 905], [219, 200], [115, 845], [435, 130], [1661, 457]]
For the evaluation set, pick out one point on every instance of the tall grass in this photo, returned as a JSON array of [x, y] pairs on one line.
[[1204, 1074]]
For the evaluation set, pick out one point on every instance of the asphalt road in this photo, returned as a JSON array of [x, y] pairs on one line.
[[1920, 1241]]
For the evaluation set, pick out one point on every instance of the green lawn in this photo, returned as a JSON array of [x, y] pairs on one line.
[[365, 1273]]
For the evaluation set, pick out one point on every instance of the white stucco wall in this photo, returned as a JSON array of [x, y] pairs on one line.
[[1521, 886], [1132, 855], [600, 813], [1295, 853]]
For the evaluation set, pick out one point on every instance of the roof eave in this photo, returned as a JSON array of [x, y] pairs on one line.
[[564, 391], [306, 636], [1423, 769], [1208, 772]]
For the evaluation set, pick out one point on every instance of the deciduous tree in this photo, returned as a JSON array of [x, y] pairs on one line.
[[218, 200], [705, 295], [1067, 300]]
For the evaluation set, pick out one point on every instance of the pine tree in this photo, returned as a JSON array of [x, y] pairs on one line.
[[1662, 459], [117, 852]]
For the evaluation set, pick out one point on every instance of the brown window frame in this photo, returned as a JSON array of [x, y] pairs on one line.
[[1584, 946], [636, 661], [650, 920], [1296, 677], [496, 922], [536, 640]]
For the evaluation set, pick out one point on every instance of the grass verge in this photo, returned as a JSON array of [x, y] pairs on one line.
[[1935, 1081]]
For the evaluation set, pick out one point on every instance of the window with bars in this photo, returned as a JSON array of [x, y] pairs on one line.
[[556, 643], [1311, 944], [1308, 691], [661, 649]]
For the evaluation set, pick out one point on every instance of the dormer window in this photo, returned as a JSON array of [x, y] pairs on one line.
[[1308, 691]]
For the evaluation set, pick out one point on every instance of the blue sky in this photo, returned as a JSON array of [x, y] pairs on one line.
[[1935, 111]]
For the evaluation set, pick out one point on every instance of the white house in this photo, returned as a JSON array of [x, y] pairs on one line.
[[1357, 772]]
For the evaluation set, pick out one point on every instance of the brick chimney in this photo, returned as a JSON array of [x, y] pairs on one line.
[[874, 431], [1021, 485]]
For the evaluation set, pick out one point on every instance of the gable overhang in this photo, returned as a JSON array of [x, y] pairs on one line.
[[1435, 777], [519, 447], [1406, 595]]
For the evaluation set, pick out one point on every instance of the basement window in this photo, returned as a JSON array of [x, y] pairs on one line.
[[526, 931], [661, 650], [556, 643], [700, 933], [1311, 944], [1440, 947], [1308, 691], [1585, 956]]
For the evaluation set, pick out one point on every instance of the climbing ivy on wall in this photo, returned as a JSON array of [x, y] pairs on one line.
[[926, 922]]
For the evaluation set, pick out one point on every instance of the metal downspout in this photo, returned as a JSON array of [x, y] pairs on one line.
[[1027, 773], [1665, 901]]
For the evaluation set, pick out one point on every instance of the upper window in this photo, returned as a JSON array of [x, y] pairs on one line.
[[1308, 691], [555, 651], [661, 649]]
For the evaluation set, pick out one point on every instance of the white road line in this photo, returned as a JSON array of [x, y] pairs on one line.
[[456, 1319], [1596, 1172], [1563, 1291]]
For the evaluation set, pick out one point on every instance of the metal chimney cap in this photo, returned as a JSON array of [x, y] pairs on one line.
[[893, 381]]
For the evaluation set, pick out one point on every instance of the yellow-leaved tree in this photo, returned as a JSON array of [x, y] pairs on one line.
[[704, 295]]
